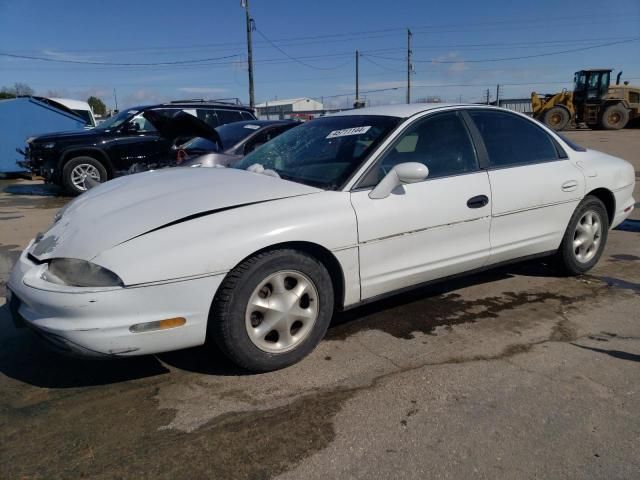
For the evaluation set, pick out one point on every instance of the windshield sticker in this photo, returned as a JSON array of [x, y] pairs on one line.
[[348, 131], [252, 127]]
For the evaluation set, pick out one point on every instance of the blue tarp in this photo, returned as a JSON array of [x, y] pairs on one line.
[[21, 118]]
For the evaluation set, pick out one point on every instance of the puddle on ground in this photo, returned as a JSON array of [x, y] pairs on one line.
[[39, 189], [629, 226], [426, 314], [624, 257], [35, 202], [618, 283], [247, 445], [39, 195]]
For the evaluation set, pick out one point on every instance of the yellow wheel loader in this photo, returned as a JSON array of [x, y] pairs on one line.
[[593, 101]]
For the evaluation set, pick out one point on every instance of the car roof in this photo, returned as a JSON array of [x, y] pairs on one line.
[[261, 123], [399, 110], [179, 105]]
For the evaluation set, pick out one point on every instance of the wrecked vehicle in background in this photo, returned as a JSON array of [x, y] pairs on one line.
[[236, 140], [120, 142], [331, 214]]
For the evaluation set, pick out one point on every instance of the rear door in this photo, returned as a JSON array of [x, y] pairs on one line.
[[535, 187]]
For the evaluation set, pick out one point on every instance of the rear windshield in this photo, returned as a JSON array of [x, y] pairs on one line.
[[323, 152]]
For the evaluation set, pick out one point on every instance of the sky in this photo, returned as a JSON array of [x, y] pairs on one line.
[[197, 49]]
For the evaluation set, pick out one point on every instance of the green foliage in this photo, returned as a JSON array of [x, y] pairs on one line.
[[97, 105]]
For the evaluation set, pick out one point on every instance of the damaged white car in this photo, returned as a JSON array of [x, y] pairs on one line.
[[339, 211]]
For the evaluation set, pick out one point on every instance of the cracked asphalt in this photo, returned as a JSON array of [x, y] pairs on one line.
[[513, 373]]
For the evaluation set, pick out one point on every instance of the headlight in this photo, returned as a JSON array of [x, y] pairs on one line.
[[48, 145], [80, 273]]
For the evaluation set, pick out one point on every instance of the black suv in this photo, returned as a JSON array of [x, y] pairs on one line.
[[139, 136]]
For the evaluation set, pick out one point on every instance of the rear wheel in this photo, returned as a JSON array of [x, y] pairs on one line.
[[272, 310], [614, 117], [77, 170], [585, 237], [557, 118]]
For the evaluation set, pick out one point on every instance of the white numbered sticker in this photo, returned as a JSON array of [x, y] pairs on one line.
[[252, 127], [348, 131]]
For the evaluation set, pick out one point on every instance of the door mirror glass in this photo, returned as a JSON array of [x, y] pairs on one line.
[[131, 127], [403, 173]]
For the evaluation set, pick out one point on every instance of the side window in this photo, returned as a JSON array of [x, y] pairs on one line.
[[513, 141], [441, 142], [228, 116], [208, 116], [143, 125], [247, 116]]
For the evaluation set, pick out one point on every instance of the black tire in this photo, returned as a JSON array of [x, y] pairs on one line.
[[227, 318], [614, 117], [68, 183], [567, 256], [557, 118]]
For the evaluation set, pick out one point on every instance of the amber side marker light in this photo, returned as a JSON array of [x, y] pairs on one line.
[[157, 325]]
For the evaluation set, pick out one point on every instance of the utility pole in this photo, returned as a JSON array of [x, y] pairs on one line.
[[488, 96], [357, 76], [115, 99], [497, 95], [245, 5], [409, 66]]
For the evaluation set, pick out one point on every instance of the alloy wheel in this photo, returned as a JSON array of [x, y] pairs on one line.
[[282, 311], [81, 172], [587, 236]]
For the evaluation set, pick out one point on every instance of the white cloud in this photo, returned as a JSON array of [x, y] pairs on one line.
[[458, 65], [57, 55], [207, 90]]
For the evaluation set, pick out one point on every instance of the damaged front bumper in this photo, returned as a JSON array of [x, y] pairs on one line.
[[97, 322]]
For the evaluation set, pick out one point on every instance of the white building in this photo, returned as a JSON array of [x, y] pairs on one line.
[[301, 108]]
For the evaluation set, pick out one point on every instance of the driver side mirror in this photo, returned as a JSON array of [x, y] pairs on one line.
[[131, 127], [401, 174]]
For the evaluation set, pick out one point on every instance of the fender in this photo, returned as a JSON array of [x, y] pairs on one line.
[[101, 155]]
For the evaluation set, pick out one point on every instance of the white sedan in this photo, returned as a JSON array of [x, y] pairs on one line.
[[336, 212]]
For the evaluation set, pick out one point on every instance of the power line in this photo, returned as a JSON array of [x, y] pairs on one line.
[[115, 64], [297, 60], [485, 60]]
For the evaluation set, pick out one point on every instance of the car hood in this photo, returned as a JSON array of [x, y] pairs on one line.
[[181, 125], [131, 206], [63, 136]]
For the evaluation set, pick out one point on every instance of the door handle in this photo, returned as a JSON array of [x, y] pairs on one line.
[[569, 186], [478, 201]]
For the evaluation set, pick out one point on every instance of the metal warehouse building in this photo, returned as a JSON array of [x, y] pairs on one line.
[[302, 108]]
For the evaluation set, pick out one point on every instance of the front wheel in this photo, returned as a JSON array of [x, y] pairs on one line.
[[272, 310], [585, 237], [557, 118], [77, 170]]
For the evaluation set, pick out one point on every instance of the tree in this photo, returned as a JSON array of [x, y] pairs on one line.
[[97, 105], [15, 91]]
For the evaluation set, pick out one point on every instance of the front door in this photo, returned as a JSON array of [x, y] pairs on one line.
[[430, 229], [137, 142]]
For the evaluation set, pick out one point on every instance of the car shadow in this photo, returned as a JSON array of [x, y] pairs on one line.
[[619, 354], [26, 358], [39, 189]]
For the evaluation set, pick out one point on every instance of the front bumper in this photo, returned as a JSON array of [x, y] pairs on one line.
[[96, 322]]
